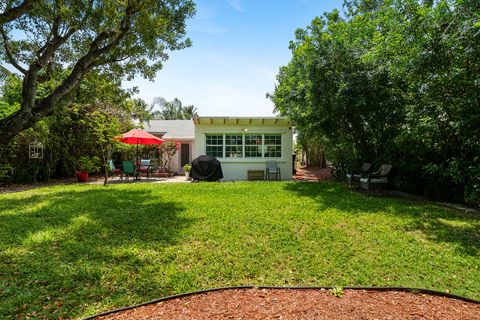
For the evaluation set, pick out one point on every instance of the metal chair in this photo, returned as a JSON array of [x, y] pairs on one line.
[[144, 167], [112, 169], [272, 169], [128, 169], [355, 177], [378, 178]]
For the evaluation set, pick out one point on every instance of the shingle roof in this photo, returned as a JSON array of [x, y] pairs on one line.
[[172, 129]]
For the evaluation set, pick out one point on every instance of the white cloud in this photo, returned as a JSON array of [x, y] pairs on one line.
[[235, 4]]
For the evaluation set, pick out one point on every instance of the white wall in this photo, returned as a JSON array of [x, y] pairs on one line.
[[177, 158], [236, 168]]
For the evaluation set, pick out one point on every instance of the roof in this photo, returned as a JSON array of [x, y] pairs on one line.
[[242, 120], [172, 129]]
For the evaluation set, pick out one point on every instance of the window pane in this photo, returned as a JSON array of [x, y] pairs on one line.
[[216, 151], [233, 139], [214, 139], [233, 151], [273, 145], [253, 151], [273, 139], [273, 151], [253, 139]]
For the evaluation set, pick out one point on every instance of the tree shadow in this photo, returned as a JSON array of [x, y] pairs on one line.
[[436, 223], [64, 244]]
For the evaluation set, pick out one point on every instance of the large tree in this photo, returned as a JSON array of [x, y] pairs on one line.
[[57, 42], [392, 81]]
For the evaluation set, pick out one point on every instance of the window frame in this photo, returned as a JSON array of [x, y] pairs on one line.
[[263, 146], [222, 145]]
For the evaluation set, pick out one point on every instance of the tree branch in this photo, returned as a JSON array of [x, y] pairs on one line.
[[8, 51], [32, 109], [15, 12], [86, 63]]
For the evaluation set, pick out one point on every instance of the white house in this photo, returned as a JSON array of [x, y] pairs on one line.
[[241, 144]]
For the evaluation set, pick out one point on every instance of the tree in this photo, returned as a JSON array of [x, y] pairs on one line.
[[65, 40], [392, 81], [101, 110], [171, 110]]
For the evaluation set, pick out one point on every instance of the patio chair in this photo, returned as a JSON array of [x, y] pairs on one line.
[[128, 170], [272, 170], [355, 177], [144, 167], [112, 170], [376, 180]]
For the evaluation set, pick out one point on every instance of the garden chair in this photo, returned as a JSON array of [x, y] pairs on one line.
[[272, 170], [144, 167], [355, 177], [376, 180], [128, 169], [112, 170]]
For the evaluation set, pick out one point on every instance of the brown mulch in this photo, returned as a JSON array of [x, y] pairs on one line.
[[312, 174], [303, 304]]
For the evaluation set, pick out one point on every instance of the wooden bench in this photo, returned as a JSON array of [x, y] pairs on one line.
[[256, 174]]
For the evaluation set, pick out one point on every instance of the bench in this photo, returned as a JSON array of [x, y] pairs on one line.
[[256, 174]]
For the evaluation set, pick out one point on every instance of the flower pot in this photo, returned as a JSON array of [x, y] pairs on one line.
[[187, 175], [82, 176]]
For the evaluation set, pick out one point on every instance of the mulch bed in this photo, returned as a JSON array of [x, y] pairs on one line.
[[312, 174], [303, 304]]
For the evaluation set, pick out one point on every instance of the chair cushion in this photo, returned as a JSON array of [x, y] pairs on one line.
[[374, 180], [354, 176]]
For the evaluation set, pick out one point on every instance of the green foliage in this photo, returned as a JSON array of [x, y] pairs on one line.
[[187, 167], [166, 152], [100, 110], [6, 173], [56, 45], [72, 251], [337, 291], [88, 164], [172, 110], [391, 82]]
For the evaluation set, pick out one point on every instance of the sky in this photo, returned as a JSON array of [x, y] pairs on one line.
[[238, 48]]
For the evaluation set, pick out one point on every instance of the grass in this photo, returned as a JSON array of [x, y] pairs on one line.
[[73, 251]]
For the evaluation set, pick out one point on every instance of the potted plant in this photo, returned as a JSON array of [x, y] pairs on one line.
[[85, 165], [187, 168]]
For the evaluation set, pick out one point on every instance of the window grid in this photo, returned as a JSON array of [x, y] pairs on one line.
[[214, 145], [234, 145], [273, 146], [250, 145]]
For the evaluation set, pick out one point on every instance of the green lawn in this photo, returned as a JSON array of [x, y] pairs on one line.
[[77, 250]]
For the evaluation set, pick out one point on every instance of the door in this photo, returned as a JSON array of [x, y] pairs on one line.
[[184, 155]]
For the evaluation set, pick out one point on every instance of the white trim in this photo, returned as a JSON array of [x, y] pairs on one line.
[[263, 146]]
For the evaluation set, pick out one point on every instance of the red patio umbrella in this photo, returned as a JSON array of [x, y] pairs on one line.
[[138, 136]]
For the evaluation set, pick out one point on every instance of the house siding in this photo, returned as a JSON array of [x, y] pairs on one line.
[[237, 168]]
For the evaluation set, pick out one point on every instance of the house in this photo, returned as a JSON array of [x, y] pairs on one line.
[[181, 132], [241, 144]]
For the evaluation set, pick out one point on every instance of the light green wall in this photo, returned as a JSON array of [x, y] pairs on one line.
[[236, 168]]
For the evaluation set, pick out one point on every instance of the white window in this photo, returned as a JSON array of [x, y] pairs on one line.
[[214, 143], [253, 145], [273, 145], [234, 145], [250, 145]]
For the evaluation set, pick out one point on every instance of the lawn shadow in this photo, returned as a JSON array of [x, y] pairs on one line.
[[438, 224], [65, 243]]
